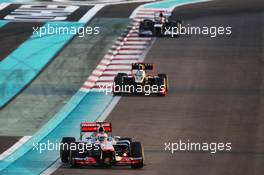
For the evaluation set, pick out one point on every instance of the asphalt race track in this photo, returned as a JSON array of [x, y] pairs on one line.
[[6, 142], [216, 95], [14, 34], [215, 91], [61, 78]]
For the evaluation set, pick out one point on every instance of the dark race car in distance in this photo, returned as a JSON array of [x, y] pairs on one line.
[[142, 81], [162, 25]]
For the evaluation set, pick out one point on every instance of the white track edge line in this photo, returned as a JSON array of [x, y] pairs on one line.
[[10, 150]]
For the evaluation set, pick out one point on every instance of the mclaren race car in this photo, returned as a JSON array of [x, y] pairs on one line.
[[141, 81], [98, 147], [162, 25]]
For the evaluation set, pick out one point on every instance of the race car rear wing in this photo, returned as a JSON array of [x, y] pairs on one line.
[[165, 13], [94, 126], [145, 66]]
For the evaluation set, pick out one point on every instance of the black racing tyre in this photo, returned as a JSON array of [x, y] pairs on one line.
[[136, 151], [165, 82], [158, 31], [65, 148], [147, 24], [142, 25], [175, 27], [118, 81], [179, 22], [179, 25], [72, 155], [121, 74]]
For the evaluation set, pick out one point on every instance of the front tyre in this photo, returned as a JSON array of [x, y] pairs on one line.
[[137, 151], [164, 83], [72, 156], [65, 148]]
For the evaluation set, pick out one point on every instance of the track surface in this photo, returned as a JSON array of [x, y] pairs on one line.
[[216, 95], [14, 34], [118, 11], [6, 142], [60, 79]]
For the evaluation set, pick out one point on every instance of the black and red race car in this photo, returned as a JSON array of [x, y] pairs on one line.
[[98, 147], [141, 81], [162, 25]]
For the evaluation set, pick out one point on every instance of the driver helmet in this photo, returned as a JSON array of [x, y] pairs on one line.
[[141, 67], [101, 135], [101, 129], [161, 14]]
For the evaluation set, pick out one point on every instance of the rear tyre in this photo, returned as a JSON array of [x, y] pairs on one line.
[[118, 81], [180, 23], [175, 25], [146, 25], [137, 151], [65, 148], [158, 31], [165, 83]]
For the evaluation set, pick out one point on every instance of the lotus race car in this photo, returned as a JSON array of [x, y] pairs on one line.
[[162, 25], [96, 146], [140, 81]]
